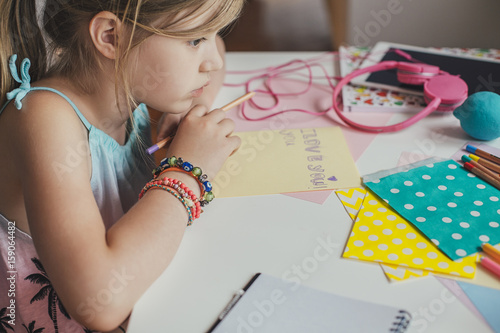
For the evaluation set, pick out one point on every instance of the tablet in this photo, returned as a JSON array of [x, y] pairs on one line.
[[480, 74]]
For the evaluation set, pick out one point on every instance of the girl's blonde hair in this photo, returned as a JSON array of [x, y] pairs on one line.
[[64, 47]]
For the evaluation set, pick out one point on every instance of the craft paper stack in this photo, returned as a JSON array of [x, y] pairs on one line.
[[452, 207], [438, 201], [380, 234]]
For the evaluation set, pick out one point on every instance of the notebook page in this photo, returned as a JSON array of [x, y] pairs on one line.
[[275, 305]]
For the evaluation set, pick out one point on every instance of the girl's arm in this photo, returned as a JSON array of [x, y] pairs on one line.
[[99, 275]]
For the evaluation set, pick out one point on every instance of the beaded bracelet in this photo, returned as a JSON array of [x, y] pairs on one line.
[[178, 164], [186, 193], [157, 185], [182, 190]]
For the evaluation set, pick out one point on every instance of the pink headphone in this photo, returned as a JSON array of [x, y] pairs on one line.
[[442, 91]]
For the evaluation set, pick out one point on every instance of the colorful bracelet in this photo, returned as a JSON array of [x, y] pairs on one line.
[[182, 190], [178, 164], [186, 193], [155, 184]]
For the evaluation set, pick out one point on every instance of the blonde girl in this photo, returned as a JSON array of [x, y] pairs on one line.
[[77, 79]]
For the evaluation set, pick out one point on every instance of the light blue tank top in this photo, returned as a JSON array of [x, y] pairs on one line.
[[118, 172]]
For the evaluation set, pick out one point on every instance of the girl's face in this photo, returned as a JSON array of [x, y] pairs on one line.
[[168, 73]]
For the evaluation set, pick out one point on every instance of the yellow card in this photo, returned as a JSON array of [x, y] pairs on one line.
[[380, 234], [288, 160], [353, 199]]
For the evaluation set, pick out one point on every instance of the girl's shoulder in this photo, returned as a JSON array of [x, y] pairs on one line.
[[40, 97], [45, 122], [42, 107]]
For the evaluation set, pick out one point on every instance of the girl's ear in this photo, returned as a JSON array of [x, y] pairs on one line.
[[104, 30]]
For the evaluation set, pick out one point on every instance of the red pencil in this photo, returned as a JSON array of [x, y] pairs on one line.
[[481, 174]]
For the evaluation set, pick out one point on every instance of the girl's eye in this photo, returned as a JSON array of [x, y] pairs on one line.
[[197, 42]]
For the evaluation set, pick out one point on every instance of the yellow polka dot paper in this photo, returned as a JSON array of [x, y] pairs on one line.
[[352, 199], [381, 235]]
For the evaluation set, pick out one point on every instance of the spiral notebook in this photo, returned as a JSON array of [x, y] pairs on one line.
[[268, 304]]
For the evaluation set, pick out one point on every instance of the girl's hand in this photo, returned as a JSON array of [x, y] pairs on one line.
[[168, 125], [204, 139]]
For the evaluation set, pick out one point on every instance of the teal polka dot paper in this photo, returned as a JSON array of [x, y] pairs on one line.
[[452, 207]]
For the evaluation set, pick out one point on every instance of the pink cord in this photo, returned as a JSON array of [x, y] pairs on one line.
[[297, 66], [267, 75]]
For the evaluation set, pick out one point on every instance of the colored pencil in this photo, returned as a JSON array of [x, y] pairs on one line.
[[492, 252], [238, 101], [490, 265], [490, 165], [487, 171], [482, 153], [481, 174], [226, 107]]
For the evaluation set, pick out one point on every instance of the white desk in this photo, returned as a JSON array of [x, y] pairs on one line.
[[277, 234]]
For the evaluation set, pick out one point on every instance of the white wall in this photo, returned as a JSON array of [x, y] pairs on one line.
[[428, 23]]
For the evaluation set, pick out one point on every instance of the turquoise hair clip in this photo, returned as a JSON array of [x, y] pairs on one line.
[[19, 93]]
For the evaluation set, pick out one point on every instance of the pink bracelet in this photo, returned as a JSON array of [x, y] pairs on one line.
[[180, 191], [185, 192], [157, 185]]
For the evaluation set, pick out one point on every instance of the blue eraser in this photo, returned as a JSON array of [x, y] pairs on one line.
[[470, 149]]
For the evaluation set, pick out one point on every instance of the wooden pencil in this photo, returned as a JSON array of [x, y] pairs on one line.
[[481, 167], [492, 252], [226, 107], [490, 165], [238, 101], [481, 174], [490, 265], [482, 153]]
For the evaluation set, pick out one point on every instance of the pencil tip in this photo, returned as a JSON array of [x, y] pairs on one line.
[[152, 149]]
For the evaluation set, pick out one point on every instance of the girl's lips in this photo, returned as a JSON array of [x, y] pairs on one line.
[[198, 92]]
